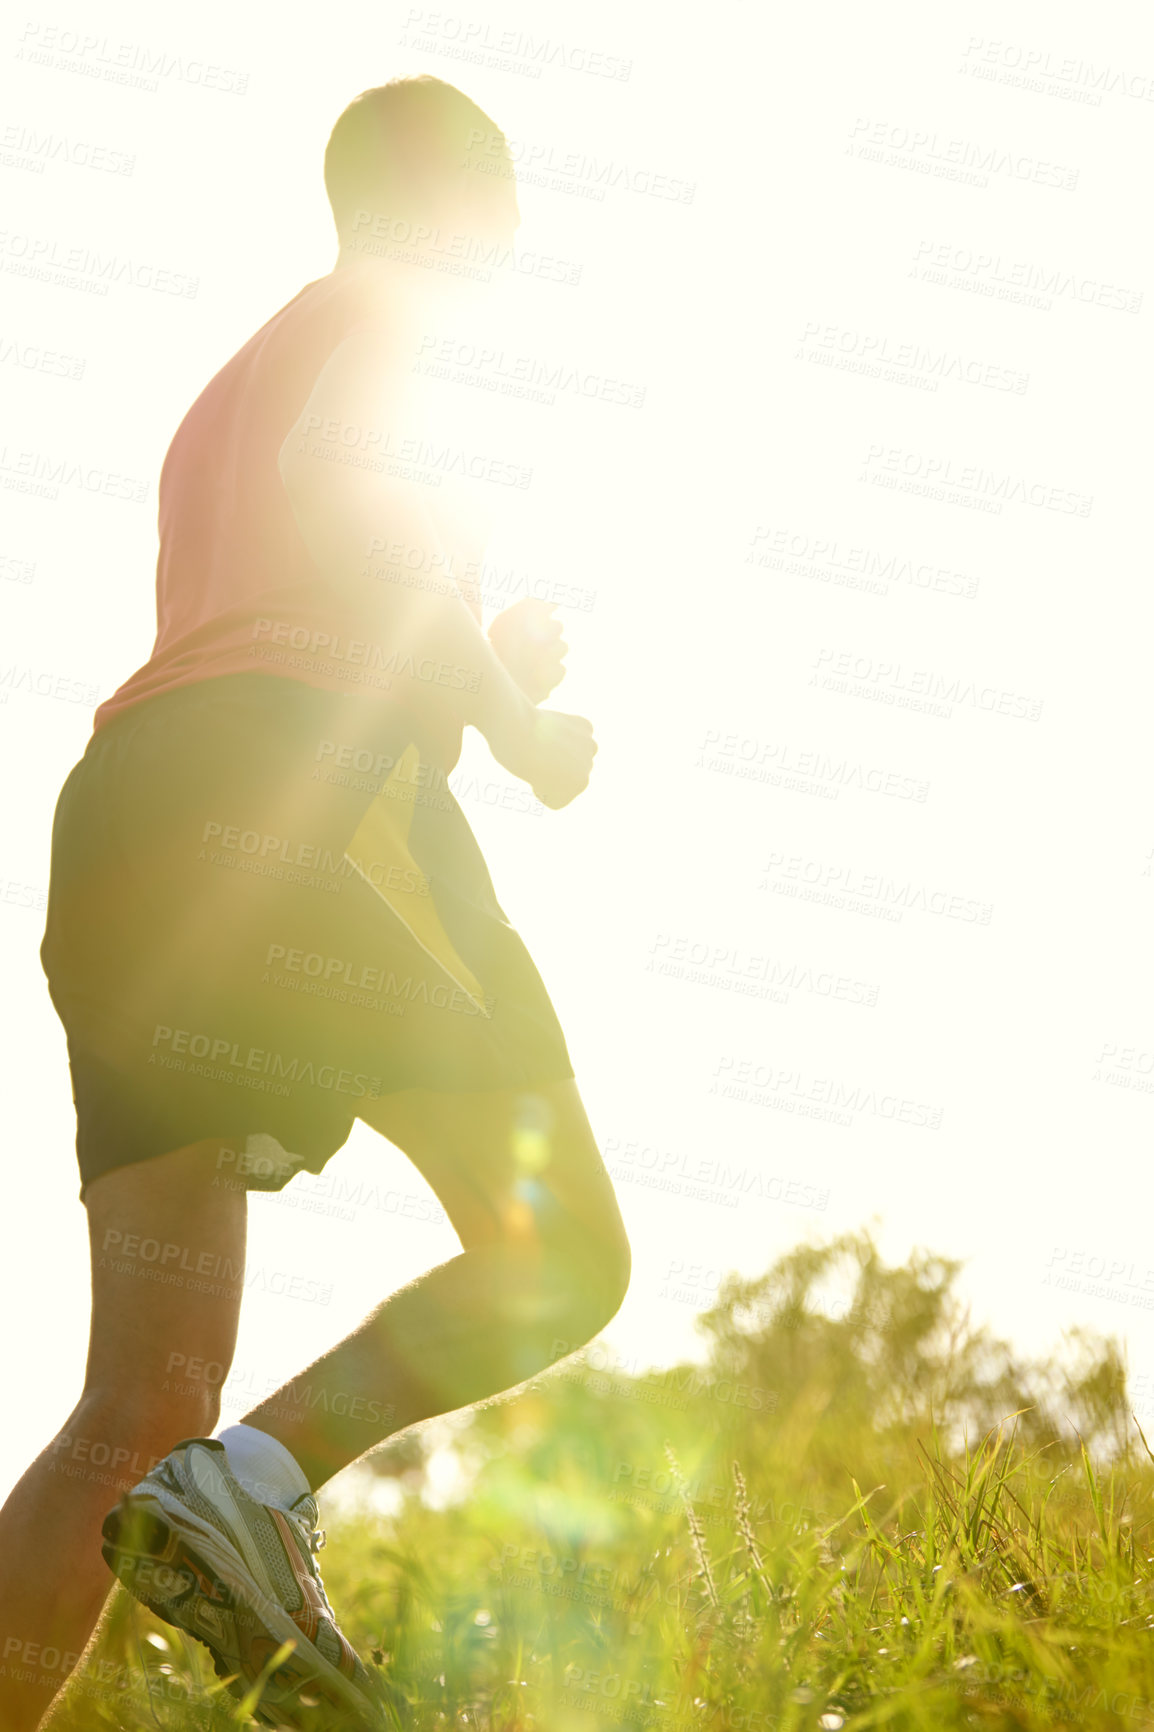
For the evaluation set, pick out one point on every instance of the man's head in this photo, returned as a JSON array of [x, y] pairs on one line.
[[418, 151]]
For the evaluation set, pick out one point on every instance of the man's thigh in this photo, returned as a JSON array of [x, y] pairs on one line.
[[167, 1239], [493, 1156]]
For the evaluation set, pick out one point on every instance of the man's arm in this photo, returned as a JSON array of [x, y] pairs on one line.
[[363, 528], [352, 513]]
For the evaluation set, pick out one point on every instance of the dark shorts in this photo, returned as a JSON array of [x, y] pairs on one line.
[[223, 968]]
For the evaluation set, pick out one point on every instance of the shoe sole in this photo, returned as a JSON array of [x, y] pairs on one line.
[[190, 1577]]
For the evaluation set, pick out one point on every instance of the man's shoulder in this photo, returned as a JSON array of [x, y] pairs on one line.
[[350, 300]]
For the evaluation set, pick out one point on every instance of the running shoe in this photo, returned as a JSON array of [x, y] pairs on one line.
[[191, 1544]]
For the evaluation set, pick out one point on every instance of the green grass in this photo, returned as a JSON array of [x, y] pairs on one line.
[[878, 1519]]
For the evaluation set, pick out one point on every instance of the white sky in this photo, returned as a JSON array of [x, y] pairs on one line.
[[821, 149]]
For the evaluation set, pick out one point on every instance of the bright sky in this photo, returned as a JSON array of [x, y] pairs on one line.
[[881, 450]]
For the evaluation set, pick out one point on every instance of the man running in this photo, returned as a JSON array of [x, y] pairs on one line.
[[268, 918]]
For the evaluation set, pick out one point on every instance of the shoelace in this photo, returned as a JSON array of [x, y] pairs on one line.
[[307, 1521], [305, 1515]]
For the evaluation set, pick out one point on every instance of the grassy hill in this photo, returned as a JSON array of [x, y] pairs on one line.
[[864, 1514]]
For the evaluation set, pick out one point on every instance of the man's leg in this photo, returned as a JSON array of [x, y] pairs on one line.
[[545, 1265], [54, 1580]]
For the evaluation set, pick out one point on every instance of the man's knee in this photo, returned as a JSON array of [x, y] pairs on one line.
[[594, 1267], [615, 1266]]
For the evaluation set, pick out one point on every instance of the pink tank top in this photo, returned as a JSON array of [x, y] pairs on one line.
[[237, 590]]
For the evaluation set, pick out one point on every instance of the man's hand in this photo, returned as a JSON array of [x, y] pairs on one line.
[[529, 643], [551, 751]]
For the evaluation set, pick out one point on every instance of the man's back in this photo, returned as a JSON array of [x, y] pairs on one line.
[[231, 553]]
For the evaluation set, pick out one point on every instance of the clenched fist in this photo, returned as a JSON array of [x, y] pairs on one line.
[[551, 751]]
